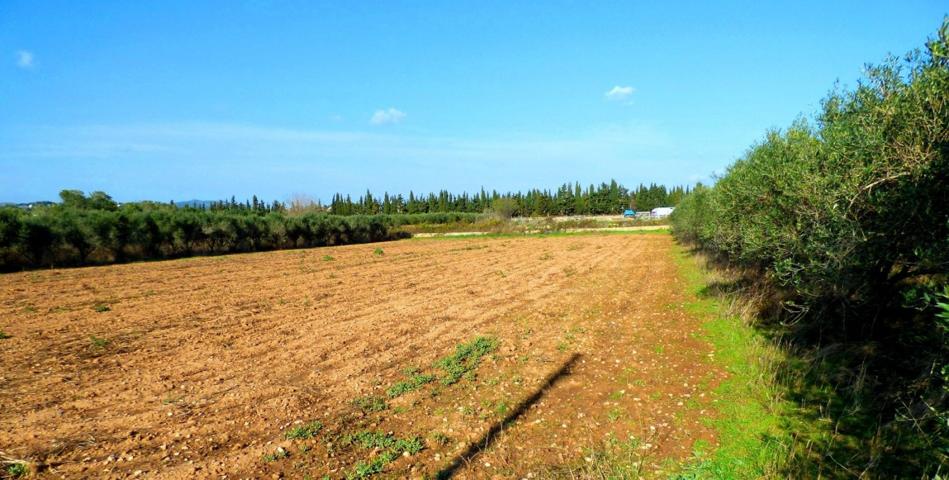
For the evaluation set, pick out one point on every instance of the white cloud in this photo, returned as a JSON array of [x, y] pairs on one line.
[[382, 117], [24, 59], [619, 94]]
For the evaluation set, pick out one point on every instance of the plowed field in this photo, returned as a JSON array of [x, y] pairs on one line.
[[198, 368]]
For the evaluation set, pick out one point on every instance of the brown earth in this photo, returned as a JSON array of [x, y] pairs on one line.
[[199, 366]]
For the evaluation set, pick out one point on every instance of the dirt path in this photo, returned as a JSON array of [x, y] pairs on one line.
[[197, 367]]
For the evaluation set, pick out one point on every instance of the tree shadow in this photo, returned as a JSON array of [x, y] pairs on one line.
[[491, 435]]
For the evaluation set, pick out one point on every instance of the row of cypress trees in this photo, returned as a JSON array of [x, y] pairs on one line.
[[606, 198]]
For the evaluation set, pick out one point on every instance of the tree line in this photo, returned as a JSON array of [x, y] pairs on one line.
[[847, 218], [94, 229], [604, 199]]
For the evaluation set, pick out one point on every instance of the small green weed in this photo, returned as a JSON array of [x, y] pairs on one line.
[[614, 414], [369, 404], [5, 335], [101, 308], [369, 439], [378, 252], [391, 447], [415, 381], [374, 466], [278, 454], [99, 342], [466, 358], [441, 439], [17, 470], [328, 258], [303, 432]]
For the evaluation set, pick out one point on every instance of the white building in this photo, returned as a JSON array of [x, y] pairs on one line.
[[661, 212]]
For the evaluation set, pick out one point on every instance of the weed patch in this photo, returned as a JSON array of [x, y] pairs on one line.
[[415, 381], [17, 470], [279, 454], [369, 404], [304, 432], [466, 358], [99, 342], [391, 448]]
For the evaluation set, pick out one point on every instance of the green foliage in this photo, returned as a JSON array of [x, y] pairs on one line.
[[753, 425], [369, 404], [17, 470], [441, 439], [415, 381], [94, 230], [278, 454], [605, 198], [466, 358], [99, 342], [390, 446], [378, 252], [847, 216], [372, 467], [504, 207], [101, 308], [304, 432], [4, 335]]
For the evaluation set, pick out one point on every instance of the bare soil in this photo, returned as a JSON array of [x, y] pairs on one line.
[[196, 368]]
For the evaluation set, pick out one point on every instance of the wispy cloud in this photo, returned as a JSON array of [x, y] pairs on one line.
[[24, 59], [263, 158], [619, 94], [383, 117], [226, 140]]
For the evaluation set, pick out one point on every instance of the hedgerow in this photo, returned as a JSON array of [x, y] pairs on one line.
[[847, 216], [69, 235]]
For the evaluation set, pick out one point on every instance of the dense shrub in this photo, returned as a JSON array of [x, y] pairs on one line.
[[81, 232], [848, 215]]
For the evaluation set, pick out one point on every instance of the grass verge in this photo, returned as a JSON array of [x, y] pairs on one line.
[[751, 418]]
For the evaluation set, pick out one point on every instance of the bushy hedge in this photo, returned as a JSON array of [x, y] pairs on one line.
[[849, 215], [848, 207], [66, 236]]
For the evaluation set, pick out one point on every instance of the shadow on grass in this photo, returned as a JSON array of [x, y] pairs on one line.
[[865, 383], [492, 434]]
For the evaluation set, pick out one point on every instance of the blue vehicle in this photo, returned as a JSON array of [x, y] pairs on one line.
[[629, 213]]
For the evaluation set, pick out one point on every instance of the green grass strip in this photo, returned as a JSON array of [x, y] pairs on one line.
[[751, 422]]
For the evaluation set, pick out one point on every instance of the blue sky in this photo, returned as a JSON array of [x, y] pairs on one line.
[[187, 99]]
